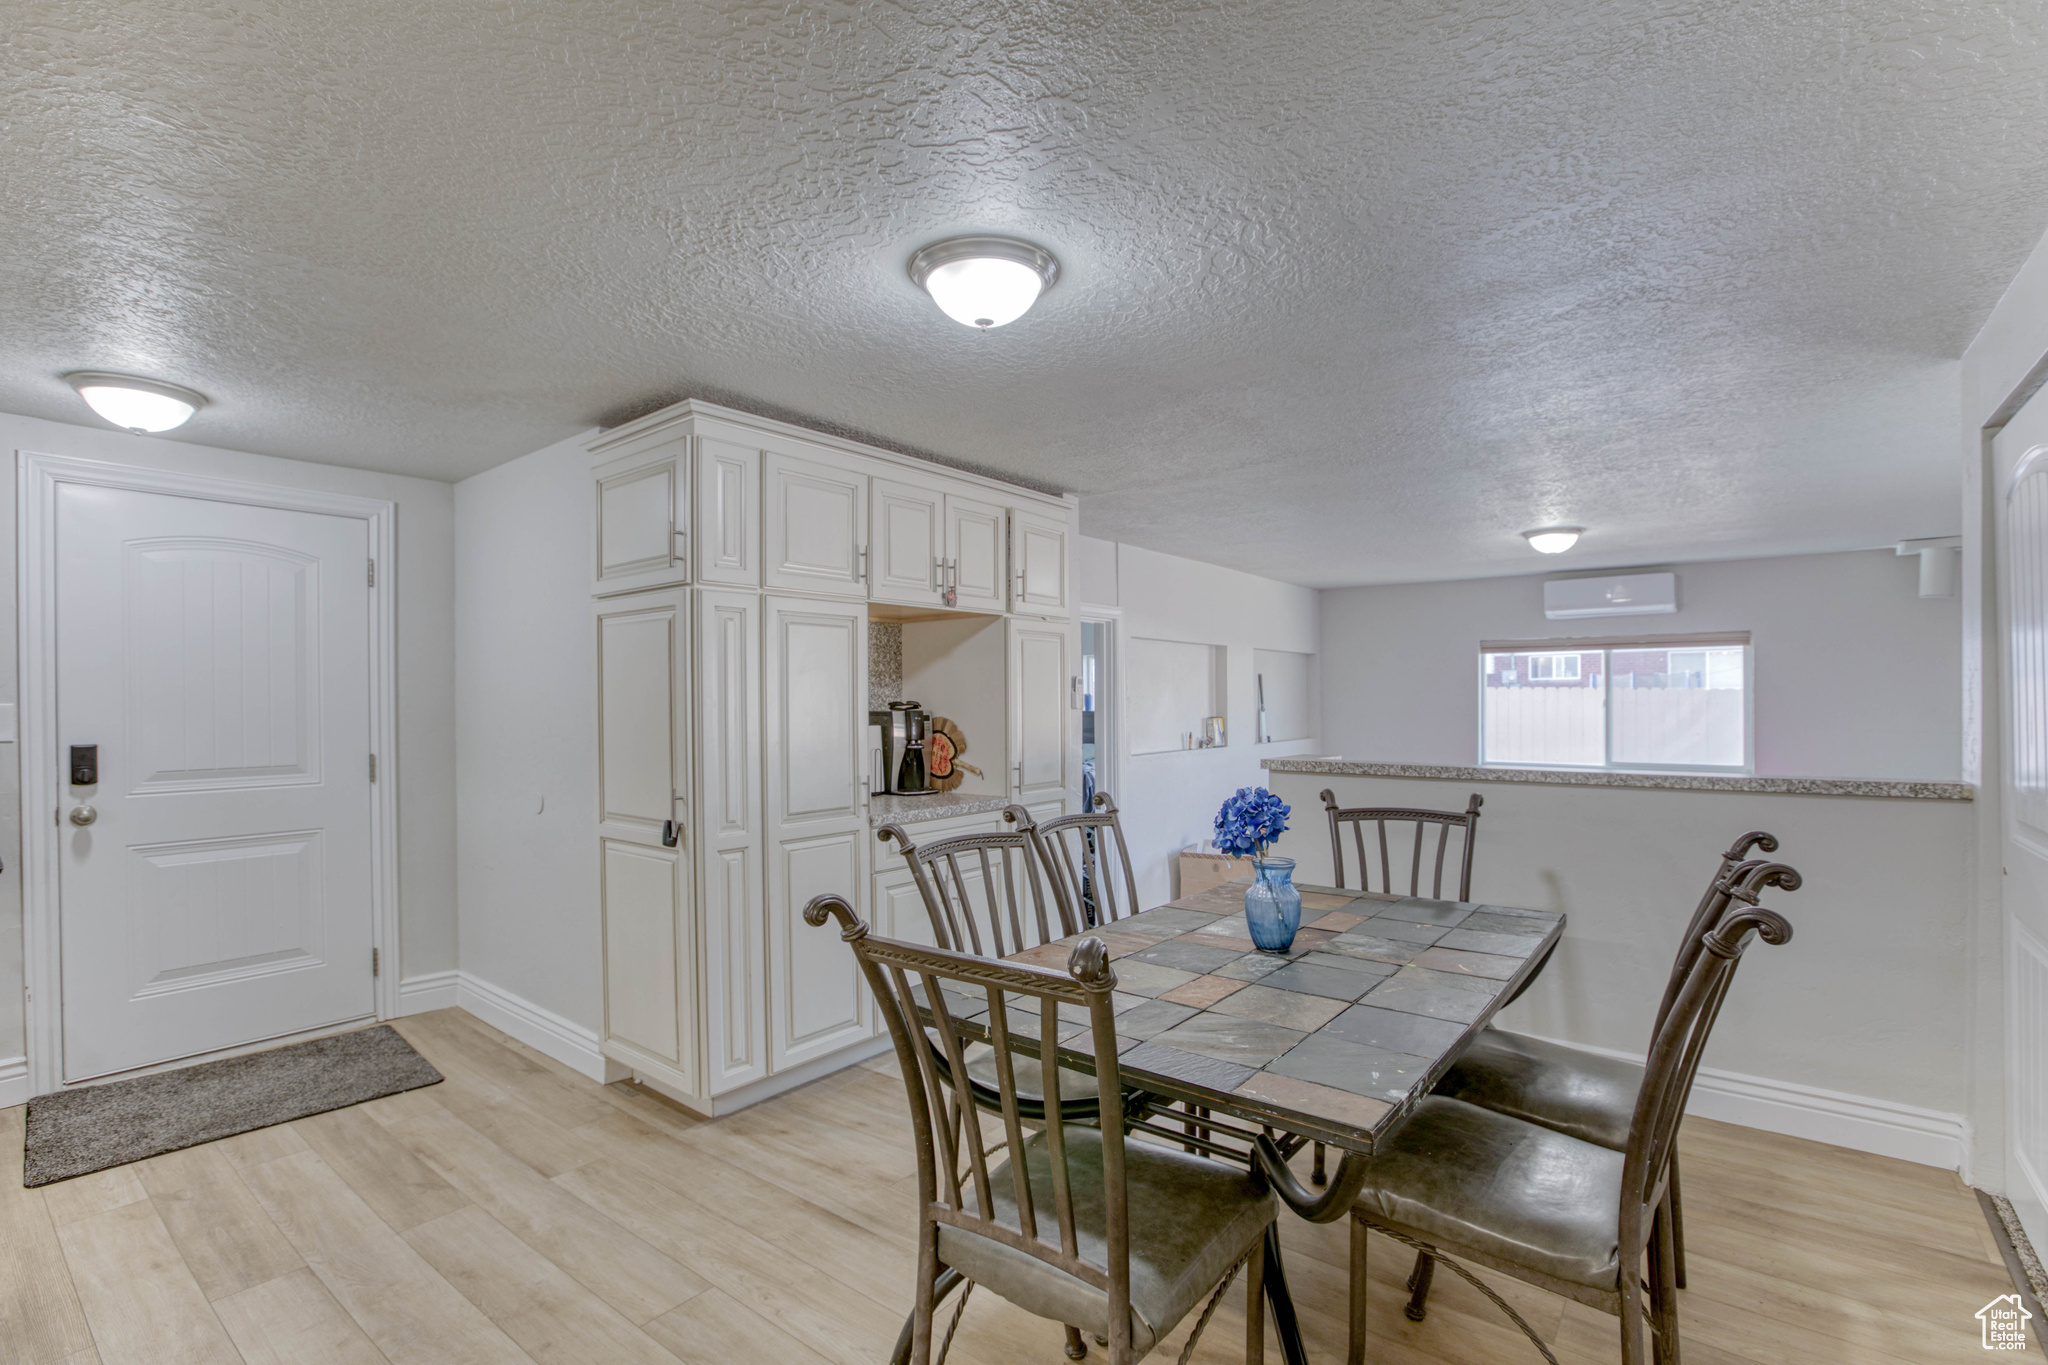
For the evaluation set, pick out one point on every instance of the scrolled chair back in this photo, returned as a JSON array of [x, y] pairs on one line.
[[1739, 883], [953, 1161], [1674, 1058], [987, 894], [1087, 855]]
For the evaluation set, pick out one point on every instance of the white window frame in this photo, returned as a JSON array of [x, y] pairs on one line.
[[1606, 648], [1553, 658]]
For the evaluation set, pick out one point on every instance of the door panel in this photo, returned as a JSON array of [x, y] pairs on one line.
[[642, 507], [815, 700], [1038, 563], [728, 513], [729, 774], [974, 546], [643, 749], [816, 526], [2020, 489], [218, 656], [641, 955], [1039, 760], [907, 543], [638, 756]]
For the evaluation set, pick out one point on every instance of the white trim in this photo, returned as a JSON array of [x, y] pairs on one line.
[[432, 991], [738, 426], [1928, 1137], [13, 1081], [714, 1106], [37, 480], [543, 1030]]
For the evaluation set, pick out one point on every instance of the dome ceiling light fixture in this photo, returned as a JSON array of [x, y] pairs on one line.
[[133, 403], [984, 282], [1553, 540]]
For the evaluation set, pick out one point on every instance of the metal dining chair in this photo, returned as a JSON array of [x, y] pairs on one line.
[[1069, 1222], [1566, 1215], [1358, 817], [990, 895], [1088, 853], [1584, 1094]]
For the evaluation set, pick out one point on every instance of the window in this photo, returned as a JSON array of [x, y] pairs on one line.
[[1662, 704]]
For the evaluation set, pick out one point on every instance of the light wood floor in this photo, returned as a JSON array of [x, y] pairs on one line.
[[522, 1213]]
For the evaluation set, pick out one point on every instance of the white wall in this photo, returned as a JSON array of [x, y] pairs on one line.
[[526, 762], [426, 697], [1855, 674], [1169, 800]]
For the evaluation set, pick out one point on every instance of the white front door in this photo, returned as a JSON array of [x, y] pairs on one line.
[[216, 657], [2020, 494]]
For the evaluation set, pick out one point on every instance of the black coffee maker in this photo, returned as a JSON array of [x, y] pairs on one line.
[[904, 727]]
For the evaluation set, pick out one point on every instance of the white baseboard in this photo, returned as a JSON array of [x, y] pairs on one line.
[[13, 1081], [434, 991], [540, 1029], [1928, 1137]]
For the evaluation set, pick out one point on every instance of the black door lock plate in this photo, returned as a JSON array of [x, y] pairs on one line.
[[85, 765]]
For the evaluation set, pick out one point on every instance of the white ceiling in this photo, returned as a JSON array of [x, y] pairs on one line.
[[1351, 293]]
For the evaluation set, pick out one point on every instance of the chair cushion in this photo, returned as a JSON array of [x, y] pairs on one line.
[[1580, 1094], [1466, 1177], [1074, 1085], [1191, 1219]]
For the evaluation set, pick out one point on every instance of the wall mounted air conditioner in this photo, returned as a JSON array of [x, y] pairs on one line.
[[1635, 594]]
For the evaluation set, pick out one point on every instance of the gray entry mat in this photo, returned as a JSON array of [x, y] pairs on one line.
[[77, 1132]]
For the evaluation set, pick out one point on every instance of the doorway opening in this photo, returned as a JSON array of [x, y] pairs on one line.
[[1099, 738]]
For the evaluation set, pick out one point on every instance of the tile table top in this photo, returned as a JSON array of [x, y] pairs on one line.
[[1337, 1038]]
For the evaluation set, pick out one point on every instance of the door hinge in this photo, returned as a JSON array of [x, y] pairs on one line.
[[376, 963], [373, 573], [373, 767]]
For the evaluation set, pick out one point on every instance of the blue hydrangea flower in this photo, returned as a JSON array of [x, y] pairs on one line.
[[1250, 821]]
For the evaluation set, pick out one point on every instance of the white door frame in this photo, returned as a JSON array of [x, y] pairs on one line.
[[38, 478], [1109, 696]]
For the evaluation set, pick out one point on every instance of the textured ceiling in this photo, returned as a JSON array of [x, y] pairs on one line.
[[1351, 292]]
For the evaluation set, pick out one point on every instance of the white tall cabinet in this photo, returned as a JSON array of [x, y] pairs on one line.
[[737, 563]]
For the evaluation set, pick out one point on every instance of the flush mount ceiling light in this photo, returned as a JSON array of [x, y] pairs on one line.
[[133, 403], [1553, 540], [984, 282]]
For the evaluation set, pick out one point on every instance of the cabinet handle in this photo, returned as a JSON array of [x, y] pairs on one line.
[[1018, 769], [671, 834], [863, 564]]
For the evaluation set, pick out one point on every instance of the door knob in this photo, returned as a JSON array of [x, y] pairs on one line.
[[83, 815]]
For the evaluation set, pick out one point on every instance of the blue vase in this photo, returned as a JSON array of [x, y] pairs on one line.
[[1272, 907]]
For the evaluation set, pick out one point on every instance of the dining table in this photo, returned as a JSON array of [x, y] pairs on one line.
[[1250, 1054]]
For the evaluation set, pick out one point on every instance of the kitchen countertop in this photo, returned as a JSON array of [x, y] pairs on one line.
[[1698, 782], [910, 810]]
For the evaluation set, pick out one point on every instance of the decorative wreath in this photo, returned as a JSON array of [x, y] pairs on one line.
[[943, 746]]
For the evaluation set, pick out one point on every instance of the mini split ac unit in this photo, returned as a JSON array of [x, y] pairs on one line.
[[1635, 594]]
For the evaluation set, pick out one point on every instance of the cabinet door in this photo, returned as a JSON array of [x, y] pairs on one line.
[[1038, 563], [816, 526], [643, 755], [1041, 764], [974, 552], [728, 506], [814, 666], [729, 814], [642, 513], [644, 967], [899, 911], [907, 543]]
